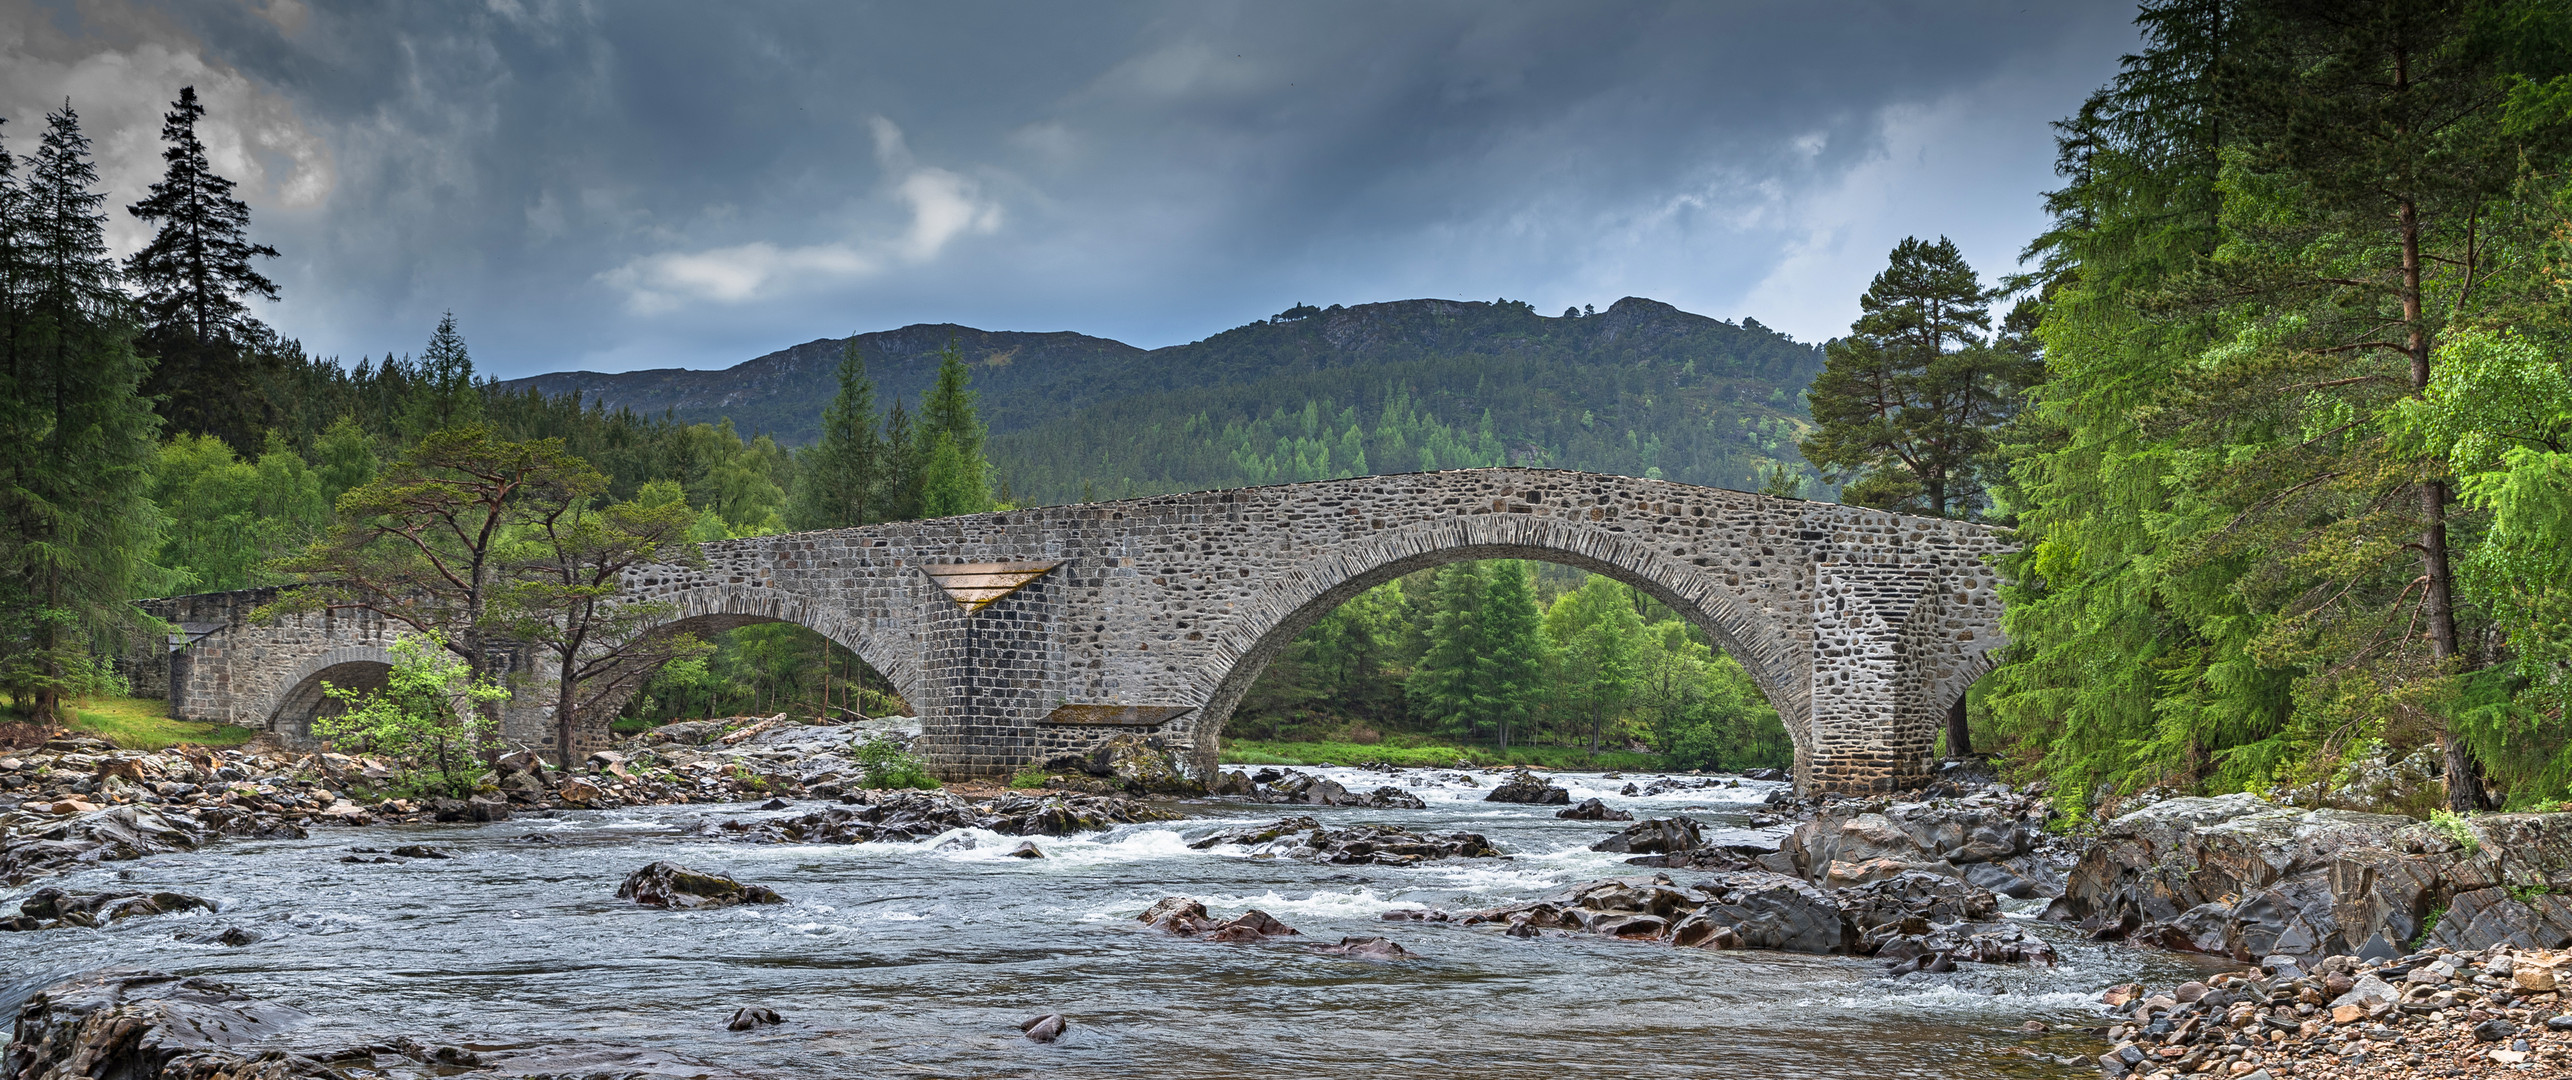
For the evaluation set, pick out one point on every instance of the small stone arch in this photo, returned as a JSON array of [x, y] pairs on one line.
[[290, 710], [1261, 626]]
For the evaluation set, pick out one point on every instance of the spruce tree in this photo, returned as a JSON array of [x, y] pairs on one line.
[[955, 478], [443, 394], [1514, 645], [905, 455], [839, 480], [192, 277], [76, 438], [1445, 688]]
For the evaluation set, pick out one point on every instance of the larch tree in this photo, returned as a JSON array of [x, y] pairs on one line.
[[192, 278]]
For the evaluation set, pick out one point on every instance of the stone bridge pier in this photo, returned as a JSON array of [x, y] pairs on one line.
[[1022, 635]]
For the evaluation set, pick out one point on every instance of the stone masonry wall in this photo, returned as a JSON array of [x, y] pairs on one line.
[[1859, 625]]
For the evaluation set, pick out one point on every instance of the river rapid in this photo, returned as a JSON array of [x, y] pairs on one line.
[[922, 959]]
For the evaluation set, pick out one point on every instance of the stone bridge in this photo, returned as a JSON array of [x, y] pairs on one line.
[[1025, 634]]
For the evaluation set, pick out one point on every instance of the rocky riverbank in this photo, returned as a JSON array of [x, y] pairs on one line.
[[2437, 1013], [77, 800]]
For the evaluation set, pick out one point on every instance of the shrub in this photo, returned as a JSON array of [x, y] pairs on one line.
[[427, 722], [1033, 776], [888, 766]]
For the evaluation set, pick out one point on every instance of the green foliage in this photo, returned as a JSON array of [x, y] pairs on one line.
[[884, 764], [76, 438], [1435, 756], [1908, 403], [145, 724], [1420, 661], [1029, 778], [228, 518], [2456, 829], [2236, 519], [432, 721], [839, 480]]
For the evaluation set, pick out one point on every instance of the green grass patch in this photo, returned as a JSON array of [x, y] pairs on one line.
[[1252, 752], [145, 724]]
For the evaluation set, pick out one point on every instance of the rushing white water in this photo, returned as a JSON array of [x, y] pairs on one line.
[[921, 959]]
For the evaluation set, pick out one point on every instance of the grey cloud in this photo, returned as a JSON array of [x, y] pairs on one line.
[[635, 184]]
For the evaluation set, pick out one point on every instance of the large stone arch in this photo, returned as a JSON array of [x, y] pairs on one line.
[[714, 609], [1263, 625]]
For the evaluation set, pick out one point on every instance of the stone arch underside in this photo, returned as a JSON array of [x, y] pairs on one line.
[[710, 611], [298, 698], [1262, 627]]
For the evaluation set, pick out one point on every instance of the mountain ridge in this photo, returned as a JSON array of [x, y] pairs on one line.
[[1641, 387]]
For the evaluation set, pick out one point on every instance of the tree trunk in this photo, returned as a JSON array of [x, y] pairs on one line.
[[1960, 740], [566, 719], [2438, 594]]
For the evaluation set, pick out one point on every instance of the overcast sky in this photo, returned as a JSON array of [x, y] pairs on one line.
[[614, 185]]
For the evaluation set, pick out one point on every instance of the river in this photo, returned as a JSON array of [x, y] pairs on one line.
[[922, 959]]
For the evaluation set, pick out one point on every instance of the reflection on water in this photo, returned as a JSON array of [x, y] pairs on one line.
[[922, 959]]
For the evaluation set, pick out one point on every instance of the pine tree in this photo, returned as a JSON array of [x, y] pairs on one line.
[[76, 439], [839, 480], [192, 276], [1907, 403]]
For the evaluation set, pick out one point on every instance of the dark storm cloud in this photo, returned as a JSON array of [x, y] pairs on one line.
[[621, 185]]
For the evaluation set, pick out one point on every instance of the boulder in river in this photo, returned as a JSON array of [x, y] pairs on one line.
[[670, 885], [50, 908], [1993, 839], [918, 815], [1593, 810], [1654, 837], [1305, 840], [1367, 948], [1525, 787], [1046, 1028], [1188, 918], [1139, 764], [1761, 909], [751, 1016]]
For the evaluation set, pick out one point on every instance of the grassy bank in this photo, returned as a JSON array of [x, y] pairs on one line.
[[1251, 752], [145, 724]]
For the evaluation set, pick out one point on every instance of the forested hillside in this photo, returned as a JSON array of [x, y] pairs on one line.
[[1641, 388]]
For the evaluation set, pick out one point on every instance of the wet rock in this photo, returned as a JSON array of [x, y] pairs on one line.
[[1367, 948], [670, 885], [578, 792], [751, 1016], [1654, 837], [918, 815], [1389, 797], [419, 851], [1853, 842], [2239, 877], [1046, 1028], [1914, 896], [1765, 774], [50, 908], [1188, 918], [1526, 787], [1138, 764], [1304, 839], [1234, 783], [230, 936], [1026, 849], [1593, 810], [133, 1025]]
